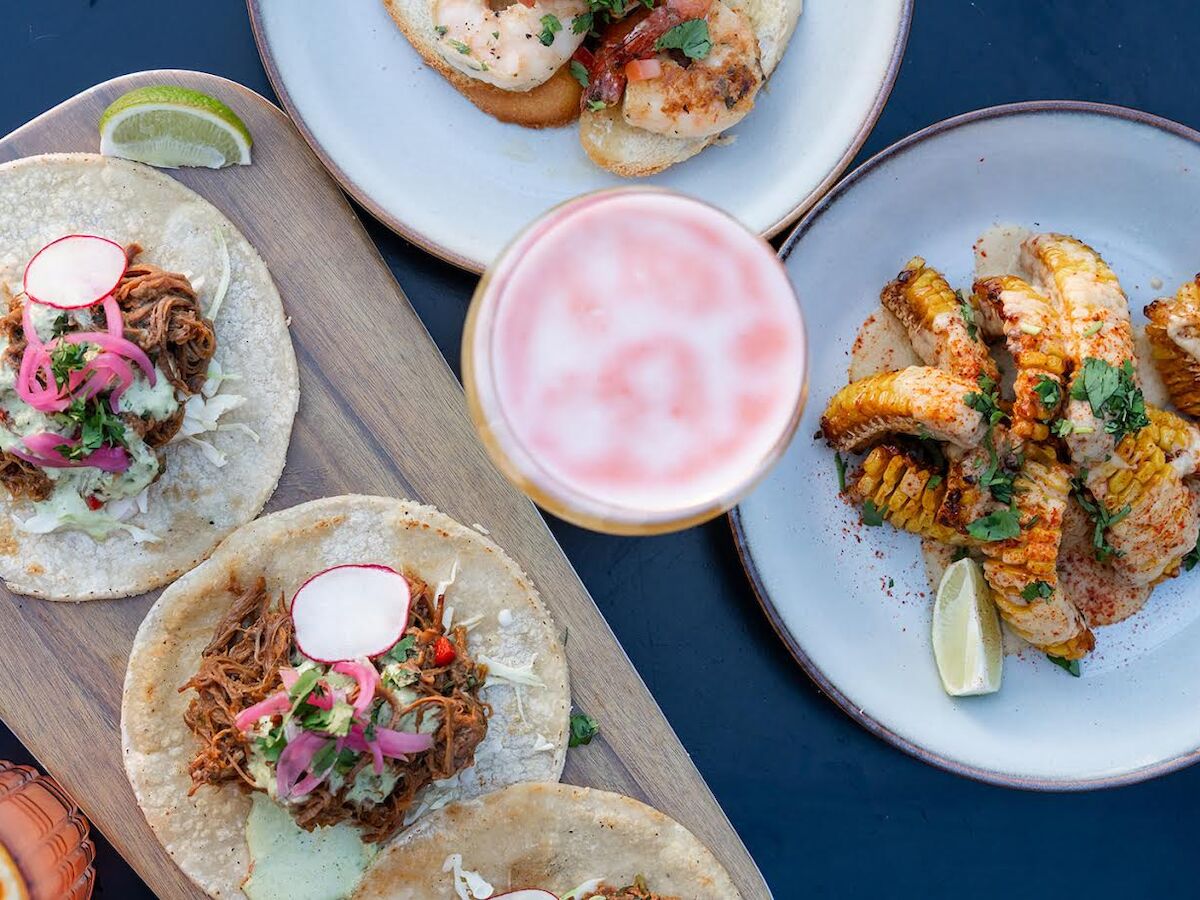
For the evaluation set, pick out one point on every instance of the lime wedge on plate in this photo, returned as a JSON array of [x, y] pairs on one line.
[[170, 126], [967, 644]]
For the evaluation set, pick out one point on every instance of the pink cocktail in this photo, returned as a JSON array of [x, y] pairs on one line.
[[635, 361]]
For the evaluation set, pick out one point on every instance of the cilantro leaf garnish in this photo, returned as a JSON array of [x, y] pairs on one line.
[[1061, 427], [1101, 518], [98, 427], [1069, 665], [968, 313], [1048, 392], [986, 401], [272, 745], [934, 481], [1000, 525], [550, 27], [579, 72], [597, 105], [872, 516], [67, 358], [461, 47], [401, 650], [691, 37], [1037, 590], [304, 685], [583, 729], [841, 471], [324, 758], [1113, 395], [1192, 558]]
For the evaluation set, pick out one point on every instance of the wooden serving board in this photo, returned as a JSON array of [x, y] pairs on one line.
[[380, 413]]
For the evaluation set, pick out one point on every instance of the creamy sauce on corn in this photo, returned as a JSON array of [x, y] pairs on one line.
[[882, 345]]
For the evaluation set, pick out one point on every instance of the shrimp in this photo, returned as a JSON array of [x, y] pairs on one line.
[[516, 48], [708, 95], [692, 95]]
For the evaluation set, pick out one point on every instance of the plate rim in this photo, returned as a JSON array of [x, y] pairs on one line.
[[742, 543], [414, 236]]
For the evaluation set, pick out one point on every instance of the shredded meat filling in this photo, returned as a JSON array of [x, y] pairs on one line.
[[24, 480], [240, 667], [163, 317], [636, 891]]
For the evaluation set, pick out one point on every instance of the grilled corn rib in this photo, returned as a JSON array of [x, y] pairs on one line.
[[1096, 324], [905, 491], [1032, 329], [1178, 439], [1024, 563], [936, 322], [1161, 524], [1174, 334], [918, 400]]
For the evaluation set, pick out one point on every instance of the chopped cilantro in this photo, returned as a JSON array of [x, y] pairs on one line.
[[924, 433], [60, 326], [272, 745], [986, 401], [346, 761], [1113, 395], [934, 481], [1048, 392], [67, 358], [440, 29], [579, 72], [461, 47], [1069, 665], [599, 14], [872, 516], [400, 651], [1193, 557], [1101, 518], [996, 526], [1037, 590], [691, 37], [324, 758], [304, 685], [98, 426], [1092, 329], [583, 729], [841, 470], [596, 105], [968, 313], [550, 27], [1061, 427]]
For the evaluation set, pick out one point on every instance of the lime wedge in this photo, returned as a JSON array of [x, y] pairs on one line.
[[967, 644], [170, 126]]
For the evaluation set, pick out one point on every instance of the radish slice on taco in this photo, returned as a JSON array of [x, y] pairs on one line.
[[270, 773], [147, 379], [547, 841]]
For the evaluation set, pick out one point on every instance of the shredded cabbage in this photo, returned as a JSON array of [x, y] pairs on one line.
[[467, 884], [202, 414], [498, 671], [585, 890], [223, 284], [542, 745], [69, 511]]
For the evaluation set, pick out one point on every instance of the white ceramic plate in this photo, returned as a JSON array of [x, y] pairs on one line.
[[1130, 185], [451, 179]]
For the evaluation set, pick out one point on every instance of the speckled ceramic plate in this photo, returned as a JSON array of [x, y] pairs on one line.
[[852, 603], [422, 159]]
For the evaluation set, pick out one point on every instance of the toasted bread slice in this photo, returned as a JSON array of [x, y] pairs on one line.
[[632, 152], [551, 104]]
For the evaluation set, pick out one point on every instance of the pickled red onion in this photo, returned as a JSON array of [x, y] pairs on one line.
[[367, 677], [310, 781], [295, 758], [248, 717], [398, 743], [112, 316], [43, 451], [118, 345], [357, 740]]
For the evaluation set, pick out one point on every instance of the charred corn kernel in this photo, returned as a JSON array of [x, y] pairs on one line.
[[1178, 439], [1033, 333], [1030, 560], [899, 487], [918, 400], [945, 331], [1155, 520], [1174, 334], [964, 500]]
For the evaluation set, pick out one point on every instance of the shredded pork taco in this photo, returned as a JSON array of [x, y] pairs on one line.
[[547, 842], [331, 674], [147, 379]]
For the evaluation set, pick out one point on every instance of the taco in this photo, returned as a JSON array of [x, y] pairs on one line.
[[435, 675], [147, 379], [547, 842]]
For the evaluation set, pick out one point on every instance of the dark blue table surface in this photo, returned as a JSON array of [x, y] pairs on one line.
[[826, 809]]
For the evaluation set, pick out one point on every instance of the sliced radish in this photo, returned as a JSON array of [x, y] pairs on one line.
[[349, 612], [75, 271], [526, 894]]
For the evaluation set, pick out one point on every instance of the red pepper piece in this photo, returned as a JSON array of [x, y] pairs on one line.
[[93, 504], [443, 652]]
